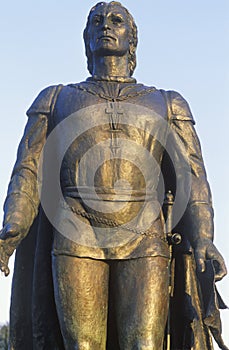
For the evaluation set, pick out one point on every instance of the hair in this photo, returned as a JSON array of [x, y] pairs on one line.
[[133, 37]]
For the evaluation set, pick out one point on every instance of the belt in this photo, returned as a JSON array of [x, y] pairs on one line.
[[109, 194]]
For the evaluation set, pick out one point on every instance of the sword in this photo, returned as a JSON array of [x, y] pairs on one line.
[[173, 239]]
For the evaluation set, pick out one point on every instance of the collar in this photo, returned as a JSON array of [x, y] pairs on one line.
[[113, 91], [112, 79]]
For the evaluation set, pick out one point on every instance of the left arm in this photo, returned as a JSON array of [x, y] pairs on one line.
[[199, 214]]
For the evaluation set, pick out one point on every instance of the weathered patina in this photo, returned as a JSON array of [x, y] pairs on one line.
[[93, 265]]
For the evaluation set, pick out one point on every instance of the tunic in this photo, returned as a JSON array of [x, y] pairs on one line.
[[92, 168], [100, 182]]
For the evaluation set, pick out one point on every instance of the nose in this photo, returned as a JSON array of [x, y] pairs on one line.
[[105, 25]]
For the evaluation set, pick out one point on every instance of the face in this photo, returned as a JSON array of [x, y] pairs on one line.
[[109, 31]]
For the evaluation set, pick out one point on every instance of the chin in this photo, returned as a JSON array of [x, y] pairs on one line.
[[109, 51]]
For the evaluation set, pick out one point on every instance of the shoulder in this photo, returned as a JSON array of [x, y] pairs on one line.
[[178, 106], [45, 100]]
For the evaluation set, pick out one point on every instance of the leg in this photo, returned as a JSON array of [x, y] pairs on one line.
[[81, 295], [142, 302]]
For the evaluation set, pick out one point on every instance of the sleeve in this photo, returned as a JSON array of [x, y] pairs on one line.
[[22, 201], [190, 171]]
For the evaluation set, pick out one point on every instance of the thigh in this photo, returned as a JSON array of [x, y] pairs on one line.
[[142, 302], [81, 295]]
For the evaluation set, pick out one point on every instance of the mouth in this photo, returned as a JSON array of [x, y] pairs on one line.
[[106, 37]]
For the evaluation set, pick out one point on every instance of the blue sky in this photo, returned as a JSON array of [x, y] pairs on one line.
[[182, 46]]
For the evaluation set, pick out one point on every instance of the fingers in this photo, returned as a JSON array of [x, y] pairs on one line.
[[4, 260], [220, 269], [200, 260], [218, 261], [5, 269], [220, 274], [4, 266]]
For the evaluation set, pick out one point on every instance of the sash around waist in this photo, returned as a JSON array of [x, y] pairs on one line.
[[109, 194]]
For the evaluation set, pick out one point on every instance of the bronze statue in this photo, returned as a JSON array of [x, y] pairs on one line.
[[94, 268]]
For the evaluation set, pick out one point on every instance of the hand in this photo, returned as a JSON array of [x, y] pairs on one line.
[[206, 250], [7, 246], [4, 258]]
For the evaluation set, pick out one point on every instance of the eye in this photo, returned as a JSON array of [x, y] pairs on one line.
[[117, 20], [96, 20]]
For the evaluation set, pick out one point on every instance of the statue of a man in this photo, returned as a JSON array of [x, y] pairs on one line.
[[92, 262]]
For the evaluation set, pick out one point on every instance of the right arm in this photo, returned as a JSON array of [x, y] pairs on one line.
[[22, 201]]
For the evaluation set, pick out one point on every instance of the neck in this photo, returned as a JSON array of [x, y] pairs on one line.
[[110, 66]]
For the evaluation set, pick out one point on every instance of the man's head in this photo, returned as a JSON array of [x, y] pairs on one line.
[[107, 17]]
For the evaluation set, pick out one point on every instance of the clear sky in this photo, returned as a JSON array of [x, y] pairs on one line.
[[182, 46]]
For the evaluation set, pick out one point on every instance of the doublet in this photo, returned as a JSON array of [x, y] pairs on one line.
[[120, 136], [92, 168]]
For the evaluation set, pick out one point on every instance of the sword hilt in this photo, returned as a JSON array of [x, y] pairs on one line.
[[173, 238]]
